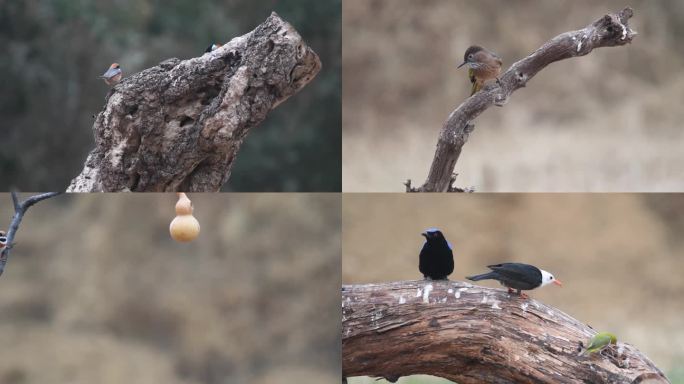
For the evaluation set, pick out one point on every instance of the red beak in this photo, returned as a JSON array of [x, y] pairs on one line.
[[558, 283]]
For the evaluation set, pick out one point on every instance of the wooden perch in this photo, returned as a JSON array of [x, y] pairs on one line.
[[472, 334], [608, 31], [178, 126], [20, 209]]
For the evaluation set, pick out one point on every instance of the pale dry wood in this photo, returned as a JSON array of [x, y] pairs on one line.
[[179, 126], [472, 334], [608, 31]]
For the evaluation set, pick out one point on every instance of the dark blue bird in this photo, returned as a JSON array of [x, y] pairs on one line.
[[436, 258]]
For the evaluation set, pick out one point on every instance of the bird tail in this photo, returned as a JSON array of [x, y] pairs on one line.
[[484, 276]]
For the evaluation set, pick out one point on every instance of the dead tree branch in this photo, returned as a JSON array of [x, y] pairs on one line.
[[179, 126], [608, 31], [20, 209], [472, 334]]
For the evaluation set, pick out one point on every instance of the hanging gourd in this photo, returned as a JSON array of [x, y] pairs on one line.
[[184, 227]]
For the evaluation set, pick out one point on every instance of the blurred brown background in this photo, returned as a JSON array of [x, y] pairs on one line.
[[620, 257], [95, 291], [608, 121]]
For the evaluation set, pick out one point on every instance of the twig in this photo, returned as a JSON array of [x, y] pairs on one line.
[[20, 208], [608, 31]]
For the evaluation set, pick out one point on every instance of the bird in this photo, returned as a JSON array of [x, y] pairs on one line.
[[598, 343], [3, 240], [517, 276], [113, 75], [483, 65], [213, 47], [436, 259]]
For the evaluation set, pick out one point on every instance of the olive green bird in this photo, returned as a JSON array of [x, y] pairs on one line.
[[483, 65], [598, 343]]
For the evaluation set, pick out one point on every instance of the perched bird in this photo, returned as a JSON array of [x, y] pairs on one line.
[[3, 240], [598, 343], [113, 75], [213, 47], [517, 276], [436, 260], [483, 65]]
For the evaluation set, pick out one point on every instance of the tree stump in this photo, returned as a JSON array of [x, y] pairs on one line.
[[179, 126]]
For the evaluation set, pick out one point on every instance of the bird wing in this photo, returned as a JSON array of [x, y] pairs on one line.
[[497, 57], [473, 80], [599, 341], [111, 72], [516, 272]]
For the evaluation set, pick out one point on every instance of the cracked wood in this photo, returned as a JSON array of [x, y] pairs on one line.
[[472, 334]]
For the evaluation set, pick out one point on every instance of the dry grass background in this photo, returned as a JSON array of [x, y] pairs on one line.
[[620, 256], [95, 291], [609, 121]]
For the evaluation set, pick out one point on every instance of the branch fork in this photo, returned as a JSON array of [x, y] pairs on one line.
[[20, 208]]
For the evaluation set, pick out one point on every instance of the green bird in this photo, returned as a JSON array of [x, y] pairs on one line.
[[599, 342]]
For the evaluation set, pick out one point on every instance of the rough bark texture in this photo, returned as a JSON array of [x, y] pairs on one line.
[[608, 31], [178, 126], [471, 334]]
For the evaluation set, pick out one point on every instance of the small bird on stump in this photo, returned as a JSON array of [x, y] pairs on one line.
[[113, 75]]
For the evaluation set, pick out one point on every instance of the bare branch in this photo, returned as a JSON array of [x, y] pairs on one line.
[[179, 126], [608, 31], [472, 334], [20, 208]]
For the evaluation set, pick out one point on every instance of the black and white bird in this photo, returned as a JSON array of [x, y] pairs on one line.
[[3, 240], [517, 276], [436, 260]]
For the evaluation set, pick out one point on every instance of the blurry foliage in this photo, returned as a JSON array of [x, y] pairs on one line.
[[54, 52]]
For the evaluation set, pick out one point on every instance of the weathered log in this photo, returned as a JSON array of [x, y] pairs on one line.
[[179, 126], [20, 208], [472, 334], [608, 31]]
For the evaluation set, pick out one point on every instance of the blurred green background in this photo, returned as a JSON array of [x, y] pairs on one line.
[[608, 121], [54, 51], [620, 256], [95, 291]]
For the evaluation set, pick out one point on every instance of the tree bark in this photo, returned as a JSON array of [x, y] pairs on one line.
[[179, 126], [608, 31], [472, 334]]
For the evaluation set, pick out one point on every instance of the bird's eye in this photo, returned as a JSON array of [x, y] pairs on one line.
[[551, 277], [470, 56]]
